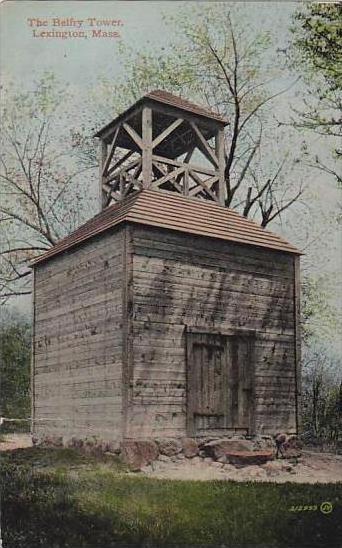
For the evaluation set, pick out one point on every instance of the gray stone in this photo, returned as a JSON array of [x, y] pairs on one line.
[[138, 454], [169, 447], [263, 442], [190, 447], [52, 441], [204, 441], [219, 448], [249, 458], [114, 447], [293, 447]]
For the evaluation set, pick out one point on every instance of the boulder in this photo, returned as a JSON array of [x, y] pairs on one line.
[[139, 453], [53, 441], [293, 447], [263, 443], [220, 448], [190, 447], [204, 441], [169, 447], [114, 447], [248, 458], [91, 446]]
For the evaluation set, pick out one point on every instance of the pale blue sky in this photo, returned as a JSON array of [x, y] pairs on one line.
[[80, 61]]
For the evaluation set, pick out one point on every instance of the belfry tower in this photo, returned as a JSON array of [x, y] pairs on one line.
[[154, 145]]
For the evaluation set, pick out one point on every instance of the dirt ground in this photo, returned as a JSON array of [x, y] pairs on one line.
[[15, 441], [311, 467]]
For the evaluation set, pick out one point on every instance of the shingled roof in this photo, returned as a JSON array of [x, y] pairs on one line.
[[169, 99], [174, 212], [165, 98]]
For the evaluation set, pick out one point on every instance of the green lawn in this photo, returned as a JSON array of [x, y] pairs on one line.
[[60, 498]]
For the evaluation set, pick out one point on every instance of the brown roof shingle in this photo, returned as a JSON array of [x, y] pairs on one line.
[[170, 99], [174, 212], [164, 97]]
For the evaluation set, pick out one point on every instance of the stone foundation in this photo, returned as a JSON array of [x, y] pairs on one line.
[[237, 450]]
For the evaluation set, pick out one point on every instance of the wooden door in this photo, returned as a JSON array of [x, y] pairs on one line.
[[220, 383]]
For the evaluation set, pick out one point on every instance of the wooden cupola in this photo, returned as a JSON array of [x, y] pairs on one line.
[[157, 144]]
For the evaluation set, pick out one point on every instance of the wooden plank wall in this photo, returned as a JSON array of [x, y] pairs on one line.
[[78, 341], [180, 280]]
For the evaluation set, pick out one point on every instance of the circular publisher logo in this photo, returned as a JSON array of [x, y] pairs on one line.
[[326, 507]]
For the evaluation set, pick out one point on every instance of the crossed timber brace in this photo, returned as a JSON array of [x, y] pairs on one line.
[[146, 156]]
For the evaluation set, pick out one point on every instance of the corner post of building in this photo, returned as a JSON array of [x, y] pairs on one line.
[[297, 346], [220, 154], [32, 361], [103, 150], [147, 146]]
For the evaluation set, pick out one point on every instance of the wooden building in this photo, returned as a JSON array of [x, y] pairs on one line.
[[166, 314]]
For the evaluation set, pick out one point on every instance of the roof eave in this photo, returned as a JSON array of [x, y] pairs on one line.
[[145, 99]]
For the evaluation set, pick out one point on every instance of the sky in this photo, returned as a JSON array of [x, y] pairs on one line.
[[29, 47], [25, 55]]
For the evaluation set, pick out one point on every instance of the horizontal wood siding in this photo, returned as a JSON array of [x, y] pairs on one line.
[[179, 281], [78, 341]]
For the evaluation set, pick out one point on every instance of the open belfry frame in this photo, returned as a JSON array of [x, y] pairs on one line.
[[141, 149]]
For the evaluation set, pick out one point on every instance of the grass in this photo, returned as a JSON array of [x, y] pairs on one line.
[[61, 498]]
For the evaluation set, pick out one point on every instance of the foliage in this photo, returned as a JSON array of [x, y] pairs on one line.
[[322, 395], [321, 366], [320, 317], [318, 40], [41, 196], [95, 505], [317, 50], [15, 349]]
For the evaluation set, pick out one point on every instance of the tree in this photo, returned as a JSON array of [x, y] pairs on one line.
[[41, 198], [320, 315], [322, 394], [317, 51], [218, 60], [15, 348]]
